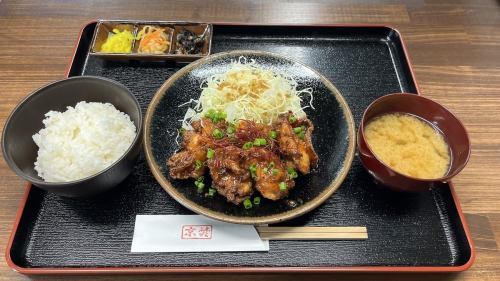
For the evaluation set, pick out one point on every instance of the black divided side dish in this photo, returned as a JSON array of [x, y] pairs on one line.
[[422, 229]]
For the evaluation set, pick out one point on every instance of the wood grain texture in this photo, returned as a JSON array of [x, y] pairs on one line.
[[312, 233], [454, 46]]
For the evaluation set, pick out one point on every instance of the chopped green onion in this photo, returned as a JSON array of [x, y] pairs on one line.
[[271, 165], [222, 115], [256, 200], [292, 173], [282, 186], [210, 153], [300, 132], [211, 192], [231, 129], [266, 170], [248, 145], [218, 134], [273, 134], [182, 130], [198, 165], [210, 113], [259, 142], [247, 204], [199, 184], [253, 170], [215, 116], [275, 172], [301, 135], [201, 178], [292, 118]]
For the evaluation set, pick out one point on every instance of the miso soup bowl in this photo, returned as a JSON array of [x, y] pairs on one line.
[[20, 151], [452, 129]]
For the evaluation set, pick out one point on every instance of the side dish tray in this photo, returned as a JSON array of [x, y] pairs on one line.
[[186, 41]]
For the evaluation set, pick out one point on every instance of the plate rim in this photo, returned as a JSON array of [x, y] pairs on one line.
[[268, 219]]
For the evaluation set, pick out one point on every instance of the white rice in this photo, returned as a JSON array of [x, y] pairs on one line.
[[81, 141]]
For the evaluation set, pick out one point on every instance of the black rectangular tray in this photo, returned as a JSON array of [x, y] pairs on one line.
[[407, 232]]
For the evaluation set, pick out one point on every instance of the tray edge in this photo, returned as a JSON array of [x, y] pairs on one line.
[[175, 270]]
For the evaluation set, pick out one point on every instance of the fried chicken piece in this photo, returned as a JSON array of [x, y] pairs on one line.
[[270, 176], [195, 144], [207, 127], [298, 150], [183, 164], [204, 126], [229, 175], [247, 130], [233, 168]]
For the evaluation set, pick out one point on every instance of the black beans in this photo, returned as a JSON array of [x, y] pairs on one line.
[[189, 43]]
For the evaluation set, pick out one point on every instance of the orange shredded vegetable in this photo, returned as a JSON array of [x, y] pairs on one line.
[[153, 40]]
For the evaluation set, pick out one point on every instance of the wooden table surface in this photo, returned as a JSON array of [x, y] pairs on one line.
[[454, 45]]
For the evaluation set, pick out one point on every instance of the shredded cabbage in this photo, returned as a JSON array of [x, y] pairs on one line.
[[250, 92]]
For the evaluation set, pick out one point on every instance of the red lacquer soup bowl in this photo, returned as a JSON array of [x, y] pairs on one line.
[[442, 119]]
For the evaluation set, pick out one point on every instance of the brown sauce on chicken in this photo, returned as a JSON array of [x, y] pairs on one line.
[[247, 156]]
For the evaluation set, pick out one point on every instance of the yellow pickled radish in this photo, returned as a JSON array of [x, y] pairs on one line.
[[119, 42]]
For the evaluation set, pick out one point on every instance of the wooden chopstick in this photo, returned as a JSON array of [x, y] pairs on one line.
[[312, 233]]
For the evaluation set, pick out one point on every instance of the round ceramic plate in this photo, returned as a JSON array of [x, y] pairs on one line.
[[333, 139]]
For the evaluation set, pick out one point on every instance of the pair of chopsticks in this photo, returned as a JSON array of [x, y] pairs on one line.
[[312, 233]]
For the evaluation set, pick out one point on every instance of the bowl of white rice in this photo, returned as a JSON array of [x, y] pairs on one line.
[[76, 137]]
